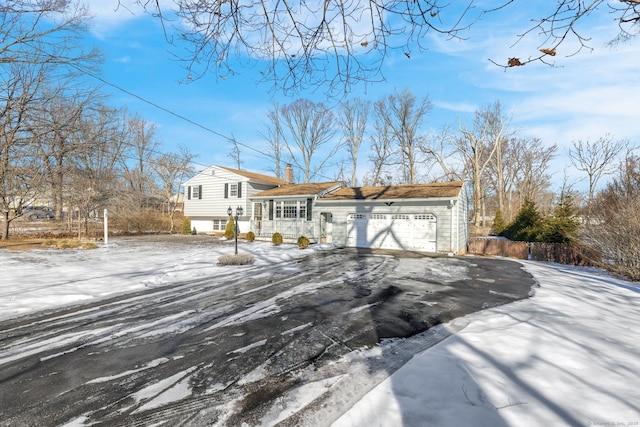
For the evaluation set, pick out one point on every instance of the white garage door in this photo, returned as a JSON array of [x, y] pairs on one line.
[[392, 231]]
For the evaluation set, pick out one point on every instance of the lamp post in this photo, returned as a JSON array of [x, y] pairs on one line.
[[238, 213]]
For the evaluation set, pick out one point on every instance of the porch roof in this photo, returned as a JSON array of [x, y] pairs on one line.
[[408, 191]]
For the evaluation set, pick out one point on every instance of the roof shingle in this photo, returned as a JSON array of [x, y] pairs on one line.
[[255, 176], [309, 189], [408, 191]]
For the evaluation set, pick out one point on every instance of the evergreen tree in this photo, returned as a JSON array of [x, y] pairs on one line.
[[562, 226], [499, 223], [527, 225]]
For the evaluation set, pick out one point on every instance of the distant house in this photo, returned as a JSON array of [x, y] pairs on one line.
[[208, 195], [420, 217]]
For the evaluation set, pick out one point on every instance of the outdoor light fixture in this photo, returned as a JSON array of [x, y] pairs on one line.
[[238, 214]]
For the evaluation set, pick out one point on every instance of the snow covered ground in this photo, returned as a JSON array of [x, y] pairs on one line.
[[570, 355]]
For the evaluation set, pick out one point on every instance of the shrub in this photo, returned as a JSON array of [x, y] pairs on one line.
[[230, 231], [186, 226], [276, 239], [303, 242], [250, 236], [240, 259]]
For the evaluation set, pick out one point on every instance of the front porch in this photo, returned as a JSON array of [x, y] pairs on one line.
[[290, 229]]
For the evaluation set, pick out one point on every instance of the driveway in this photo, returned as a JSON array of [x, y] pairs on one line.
[[232, 349]]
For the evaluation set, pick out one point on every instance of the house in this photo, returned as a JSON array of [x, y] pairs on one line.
[[209, 194], [421, 217]]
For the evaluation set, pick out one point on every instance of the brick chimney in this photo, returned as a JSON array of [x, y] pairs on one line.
[[288, 174]]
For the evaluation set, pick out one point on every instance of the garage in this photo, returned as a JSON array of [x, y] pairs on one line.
[[392, 231]]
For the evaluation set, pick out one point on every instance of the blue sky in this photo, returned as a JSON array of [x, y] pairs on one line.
[[586, 96]]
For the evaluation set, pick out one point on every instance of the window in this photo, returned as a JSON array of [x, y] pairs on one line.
[[232, 190], [399, 216], [303, 210], [290, 209], [194, 192], [425, 217], [219, 224]]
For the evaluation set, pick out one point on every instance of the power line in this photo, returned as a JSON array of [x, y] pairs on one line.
[[166, 110], [173, 113]]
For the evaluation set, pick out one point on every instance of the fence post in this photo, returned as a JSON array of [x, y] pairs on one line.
[[106, 227]]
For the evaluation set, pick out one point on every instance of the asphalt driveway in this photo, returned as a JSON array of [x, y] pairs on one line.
[[223, 351]]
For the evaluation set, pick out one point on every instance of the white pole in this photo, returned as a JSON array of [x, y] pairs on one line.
[[106, 228]]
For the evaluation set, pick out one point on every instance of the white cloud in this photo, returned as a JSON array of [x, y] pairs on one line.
[[108, 16], [459, 107]]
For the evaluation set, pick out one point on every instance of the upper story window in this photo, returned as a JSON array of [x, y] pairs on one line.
[[194, 192], [232, 189]]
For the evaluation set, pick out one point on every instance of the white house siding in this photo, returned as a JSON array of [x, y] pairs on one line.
[[445, 234], [213, 205]]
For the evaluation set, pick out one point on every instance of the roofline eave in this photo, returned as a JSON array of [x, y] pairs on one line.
[[412, 199]]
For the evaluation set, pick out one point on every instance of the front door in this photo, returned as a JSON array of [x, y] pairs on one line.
[[257, 218], [326, 227]]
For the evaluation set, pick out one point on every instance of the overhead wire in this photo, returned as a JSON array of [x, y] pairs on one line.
[[168, 111], [177, 115]]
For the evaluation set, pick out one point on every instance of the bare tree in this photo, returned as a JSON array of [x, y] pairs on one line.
[[617, 236], [353, 122], [531, 161], [172, 170], [442, 157], [303, 44], [234, 155], [403, 115], [497, 134], [20, 169], [477, 150], [274, 136], [44, 32], [54, 129], [596, 160], [93, 178], [142, 147], [381, 147], [311, 128]]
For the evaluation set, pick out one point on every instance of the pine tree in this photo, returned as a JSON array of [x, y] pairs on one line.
[[527, 225], [562, 226], [499, 223]]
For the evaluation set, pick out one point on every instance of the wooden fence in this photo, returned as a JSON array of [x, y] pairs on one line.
[[551, 252]]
